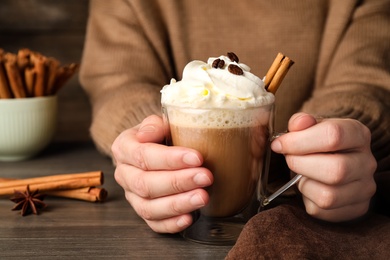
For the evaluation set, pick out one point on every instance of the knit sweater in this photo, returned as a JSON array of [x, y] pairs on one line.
[[341, 51]]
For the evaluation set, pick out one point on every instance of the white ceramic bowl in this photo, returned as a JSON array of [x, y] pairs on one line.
[[27, 126]]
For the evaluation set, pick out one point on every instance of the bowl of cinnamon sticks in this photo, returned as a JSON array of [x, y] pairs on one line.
[[29, 82]]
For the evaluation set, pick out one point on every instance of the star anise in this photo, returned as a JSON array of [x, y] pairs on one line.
[[28, 202]]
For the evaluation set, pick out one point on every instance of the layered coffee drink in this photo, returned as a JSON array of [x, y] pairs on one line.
[[222, 110], [233, 143]]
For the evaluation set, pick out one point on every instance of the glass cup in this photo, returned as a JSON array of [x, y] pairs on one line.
[[235, 146]]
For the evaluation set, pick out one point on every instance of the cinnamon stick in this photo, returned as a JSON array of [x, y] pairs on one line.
[[40, 74], [63, 75], [29, 77], [5, 91], [52, 67], [277, 72], [13, 74], [92, 194], [54, 182], [23, 62], [31, 74], [23, 58], [272, 70]]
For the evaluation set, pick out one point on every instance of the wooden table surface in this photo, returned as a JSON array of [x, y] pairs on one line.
[[72, 229]]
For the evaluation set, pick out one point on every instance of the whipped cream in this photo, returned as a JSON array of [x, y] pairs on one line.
[[204, 86]]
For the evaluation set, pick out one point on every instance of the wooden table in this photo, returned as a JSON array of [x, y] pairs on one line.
[[72, 229]]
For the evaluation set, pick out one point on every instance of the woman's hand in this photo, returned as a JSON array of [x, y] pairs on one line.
[[336, 162], [163, 184]]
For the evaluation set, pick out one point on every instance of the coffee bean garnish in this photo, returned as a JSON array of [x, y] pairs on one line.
[[234, 69], [232, 56], [218, 63]]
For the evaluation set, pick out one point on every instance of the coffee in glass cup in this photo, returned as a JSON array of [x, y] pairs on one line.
[[223, 111]]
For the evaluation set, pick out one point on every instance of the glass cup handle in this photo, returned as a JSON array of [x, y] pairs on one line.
[[285, 187], [294, 180]]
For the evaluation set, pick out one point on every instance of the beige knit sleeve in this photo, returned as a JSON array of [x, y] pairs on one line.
[[120, 71], [357, 81]]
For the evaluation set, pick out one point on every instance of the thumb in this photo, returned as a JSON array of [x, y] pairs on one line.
[[301, 121], [151, 130]]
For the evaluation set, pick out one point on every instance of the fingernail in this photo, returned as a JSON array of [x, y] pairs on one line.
[[202, 180], [191, 159], [181, 222], [276, 146], [196, 200], [147, 129]]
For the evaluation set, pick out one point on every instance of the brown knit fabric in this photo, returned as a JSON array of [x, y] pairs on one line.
[[287, 232], [340, 49]]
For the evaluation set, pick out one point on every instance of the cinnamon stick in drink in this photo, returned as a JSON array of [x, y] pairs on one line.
[[277, 72], [53, 182], [272, 70]]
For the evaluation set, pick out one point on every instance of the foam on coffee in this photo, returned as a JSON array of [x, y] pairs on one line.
[[218, 118]]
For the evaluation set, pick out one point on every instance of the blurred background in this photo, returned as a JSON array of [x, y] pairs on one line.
[[55, 28]]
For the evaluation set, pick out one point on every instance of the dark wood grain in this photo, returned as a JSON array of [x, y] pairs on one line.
[[71, 229]]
